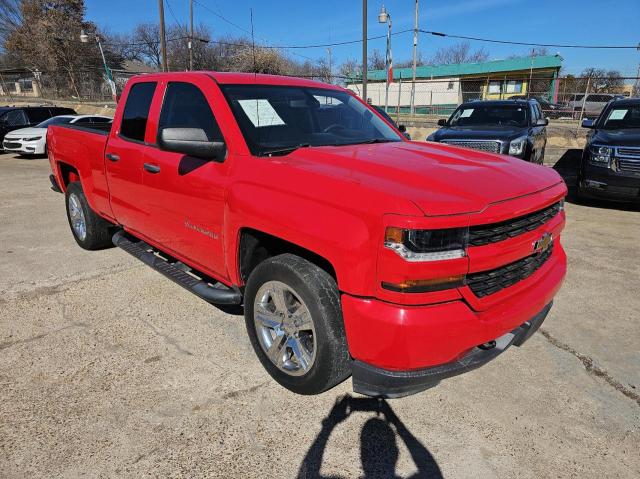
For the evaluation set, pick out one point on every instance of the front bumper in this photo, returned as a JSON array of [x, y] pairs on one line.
[[379, 382], [603, 182], [22, 147]]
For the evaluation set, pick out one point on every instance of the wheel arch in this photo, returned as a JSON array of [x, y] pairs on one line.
[[255, 246]]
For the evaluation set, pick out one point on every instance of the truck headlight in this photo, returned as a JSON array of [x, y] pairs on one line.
[[600, 155], [427, 245], [33, 138], [517, 146]]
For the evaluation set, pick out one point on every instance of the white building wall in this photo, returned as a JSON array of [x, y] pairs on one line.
[[442, 91]]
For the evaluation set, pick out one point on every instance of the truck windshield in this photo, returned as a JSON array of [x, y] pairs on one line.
[[623, 117], [279, 119], [491, 115]]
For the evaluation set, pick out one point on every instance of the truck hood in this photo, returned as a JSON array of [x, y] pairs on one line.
[[438, 179], [504, 133], [26, 132], [622, 137]]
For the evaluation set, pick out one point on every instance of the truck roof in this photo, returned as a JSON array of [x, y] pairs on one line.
[[228, 78]]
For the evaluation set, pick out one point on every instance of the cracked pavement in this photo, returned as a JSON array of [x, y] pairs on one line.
[[107, 369]]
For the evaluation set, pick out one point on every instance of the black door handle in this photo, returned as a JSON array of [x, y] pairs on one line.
[[152, 168], [112, 157]]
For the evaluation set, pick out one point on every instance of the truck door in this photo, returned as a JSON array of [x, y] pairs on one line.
[[184, 197], [124, 156]]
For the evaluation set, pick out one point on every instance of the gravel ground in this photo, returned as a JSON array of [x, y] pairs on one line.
[[109, 370]]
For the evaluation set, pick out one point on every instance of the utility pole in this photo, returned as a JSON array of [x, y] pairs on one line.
[[163, 40], [330, 66], [415, 59], [364, 50], [191, 35]]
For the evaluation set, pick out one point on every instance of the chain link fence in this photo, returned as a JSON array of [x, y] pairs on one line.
[[569, 99]]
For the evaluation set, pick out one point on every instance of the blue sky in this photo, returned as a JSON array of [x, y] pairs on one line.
[[295, 22]]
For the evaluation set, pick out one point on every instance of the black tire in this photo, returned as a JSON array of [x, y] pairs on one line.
[[98, 230], [319, 292]]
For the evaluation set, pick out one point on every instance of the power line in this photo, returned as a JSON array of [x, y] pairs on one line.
[[510, 42]]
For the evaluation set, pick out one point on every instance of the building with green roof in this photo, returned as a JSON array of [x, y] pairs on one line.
[[443, 87]]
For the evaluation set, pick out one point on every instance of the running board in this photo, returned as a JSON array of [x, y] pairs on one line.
[[176, 271]]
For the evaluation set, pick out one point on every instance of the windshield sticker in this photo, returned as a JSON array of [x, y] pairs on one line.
[[466, 113], [618, 114], [261, 113]]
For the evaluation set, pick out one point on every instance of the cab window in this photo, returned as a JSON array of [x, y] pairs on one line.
[[136, 111], [14, 118]]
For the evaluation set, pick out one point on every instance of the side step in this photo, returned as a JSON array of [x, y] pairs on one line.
[[177, 272]]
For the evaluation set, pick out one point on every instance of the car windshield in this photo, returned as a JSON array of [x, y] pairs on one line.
[[56, 120], [622, 117], [491, 115], [275, 119]]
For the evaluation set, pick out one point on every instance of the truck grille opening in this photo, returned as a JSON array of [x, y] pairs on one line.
[[488, 282], [485, 234], [490, 146], [629, 166]]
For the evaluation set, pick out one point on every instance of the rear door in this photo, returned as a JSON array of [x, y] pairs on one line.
[[37, 115], [124, 156], [184, 197]]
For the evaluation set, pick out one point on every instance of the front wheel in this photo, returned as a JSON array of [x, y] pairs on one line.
[[294, 320]]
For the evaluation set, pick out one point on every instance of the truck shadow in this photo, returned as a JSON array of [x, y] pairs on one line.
[[379, 450], [568, 167]]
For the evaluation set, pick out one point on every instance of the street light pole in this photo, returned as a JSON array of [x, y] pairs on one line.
[[415, 59], [163, 41], [84, 38], [385, 17], [364, 50], [191, 35]]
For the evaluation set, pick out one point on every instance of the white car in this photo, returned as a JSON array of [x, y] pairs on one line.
[[33, 141]]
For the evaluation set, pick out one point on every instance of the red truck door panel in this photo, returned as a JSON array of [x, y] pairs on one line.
[[124, 157], [183, 196]]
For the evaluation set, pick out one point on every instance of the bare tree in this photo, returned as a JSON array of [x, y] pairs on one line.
[[458, 53], [10, 19], [376, 60], [601, 80]]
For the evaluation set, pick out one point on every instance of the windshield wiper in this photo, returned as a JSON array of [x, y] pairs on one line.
[[367, 142], [283, 151]]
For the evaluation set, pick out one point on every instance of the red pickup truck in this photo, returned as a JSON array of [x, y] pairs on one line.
[[353, 250]]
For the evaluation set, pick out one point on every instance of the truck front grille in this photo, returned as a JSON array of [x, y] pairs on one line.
[[489, 282], [629, 152], [482, 145], [629, 166], [492, 233]]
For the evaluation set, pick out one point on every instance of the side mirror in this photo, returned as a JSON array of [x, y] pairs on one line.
[[402, 128], [442, 122], [192, 142], [542, 122], [588, 123]]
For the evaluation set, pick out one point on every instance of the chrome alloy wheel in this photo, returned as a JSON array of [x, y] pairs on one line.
[[78, 222], [284, 328]]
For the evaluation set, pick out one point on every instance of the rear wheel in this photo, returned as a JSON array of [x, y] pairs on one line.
[[90, 231], [294, 320]]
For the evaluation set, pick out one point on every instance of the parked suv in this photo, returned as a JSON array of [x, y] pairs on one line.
[[14, 118], [592, 105], [511, 127], [610, 165]]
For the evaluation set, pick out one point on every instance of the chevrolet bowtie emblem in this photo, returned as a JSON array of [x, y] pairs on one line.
[[543, 243]]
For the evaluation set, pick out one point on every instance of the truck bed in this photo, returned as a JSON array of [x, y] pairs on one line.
[[80, 150]]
